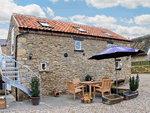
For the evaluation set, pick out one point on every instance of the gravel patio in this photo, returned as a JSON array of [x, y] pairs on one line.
[[63, 105]]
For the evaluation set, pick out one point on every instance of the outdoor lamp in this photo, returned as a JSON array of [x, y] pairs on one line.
[[30, 56], [127, 57]]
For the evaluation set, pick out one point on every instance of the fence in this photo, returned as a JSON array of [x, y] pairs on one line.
[[140, 67]]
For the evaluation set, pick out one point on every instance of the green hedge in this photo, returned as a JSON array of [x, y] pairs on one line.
[[140, 63]]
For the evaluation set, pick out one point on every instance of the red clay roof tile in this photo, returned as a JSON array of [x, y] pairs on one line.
[[32, 22]]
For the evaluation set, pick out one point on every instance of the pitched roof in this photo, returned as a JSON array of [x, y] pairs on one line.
[[142, 43], [3, 42], [32, 22]]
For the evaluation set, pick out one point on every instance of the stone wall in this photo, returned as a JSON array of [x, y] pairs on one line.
[[51, 49], [139, 58]]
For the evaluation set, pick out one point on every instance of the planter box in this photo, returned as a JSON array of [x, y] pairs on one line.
[[112, 99], [2, 103], [130, 95]]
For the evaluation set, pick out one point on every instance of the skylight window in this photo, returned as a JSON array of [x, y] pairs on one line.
[[78, 28], [107, 34], [44, 24]]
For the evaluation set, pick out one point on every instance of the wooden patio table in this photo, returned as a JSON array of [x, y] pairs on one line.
[[89, 83]]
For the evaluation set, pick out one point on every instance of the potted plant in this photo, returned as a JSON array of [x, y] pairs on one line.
[[91, 99], [134, 84], [85, 100], [82, 100], [35, 91], [87, 78]]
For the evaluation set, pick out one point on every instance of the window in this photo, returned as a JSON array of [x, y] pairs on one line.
[[78, 28], [44, 24], [107, 34], [110, 44], [118, 64], [78, 45], [43, 66], [12, 40]]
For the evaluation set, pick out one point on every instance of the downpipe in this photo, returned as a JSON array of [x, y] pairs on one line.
[[16, 45]]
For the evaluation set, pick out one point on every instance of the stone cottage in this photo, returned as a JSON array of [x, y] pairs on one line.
[[59, 50], [142, 43]]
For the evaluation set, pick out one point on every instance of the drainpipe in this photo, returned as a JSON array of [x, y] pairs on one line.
[[16, 56]]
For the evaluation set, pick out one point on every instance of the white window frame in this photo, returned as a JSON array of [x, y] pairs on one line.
[[109, 45], [45, 66], [44, 24], [12, 41], [76, 44], [118, 66]]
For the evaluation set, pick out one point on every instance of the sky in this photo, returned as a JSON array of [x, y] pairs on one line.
[[128, 18]]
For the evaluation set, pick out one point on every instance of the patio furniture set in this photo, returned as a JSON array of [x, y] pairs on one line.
[[76, 87]]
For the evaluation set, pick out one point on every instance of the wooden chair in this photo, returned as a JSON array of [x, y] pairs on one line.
[[104, 78], [106, 87], [98, 85], [74, 90], [76, 82]]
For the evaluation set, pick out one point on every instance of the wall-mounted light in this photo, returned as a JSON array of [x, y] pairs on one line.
[[30, 56], [127, 57]]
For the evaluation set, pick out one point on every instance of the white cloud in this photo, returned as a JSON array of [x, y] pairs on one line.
[[49, 11], [8, 7], [79, 19], [126, 20], [3, 33], [66, 0], [54, 1], [97, 21], [60, 18], [114, 3], [102, 21], [132, 32], [102, 3], [142, 20]]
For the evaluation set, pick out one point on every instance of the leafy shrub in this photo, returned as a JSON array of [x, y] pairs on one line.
[[1, 87], [134, 83], [2, 93], [87, 78], [35, 87]]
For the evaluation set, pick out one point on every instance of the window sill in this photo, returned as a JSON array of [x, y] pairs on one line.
[[78, 50], [118, 68], [43, 71]]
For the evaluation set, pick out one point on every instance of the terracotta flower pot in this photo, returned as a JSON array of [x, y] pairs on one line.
[[89, 101], [2, 103], [35, 100], [85, 101]]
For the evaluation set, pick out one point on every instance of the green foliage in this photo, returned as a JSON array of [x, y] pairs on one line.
[[1, 86], [2, 93], [35, 87], [141, 63], [87, 78], [134, 83]]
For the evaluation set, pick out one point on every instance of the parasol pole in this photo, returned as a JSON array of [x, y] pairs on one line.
[[116, 77]]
